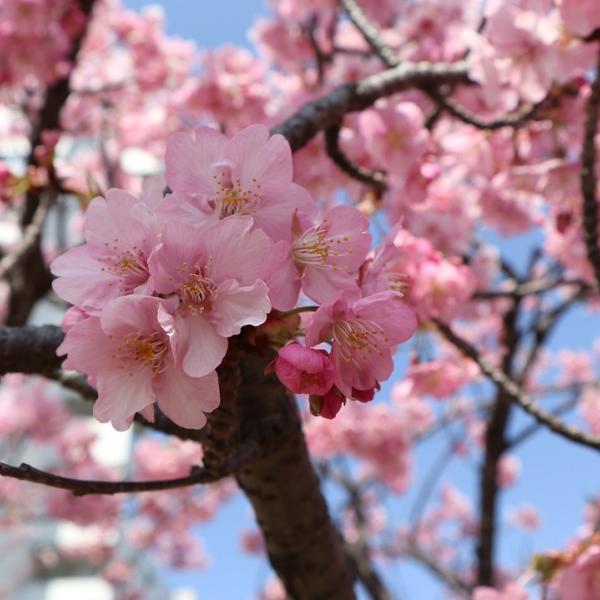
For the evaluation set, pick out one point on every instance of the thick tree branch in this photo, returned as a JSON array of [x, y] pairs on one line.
[[30, 350], [588, 176], [302, 544], [514, 392], [328, 110]]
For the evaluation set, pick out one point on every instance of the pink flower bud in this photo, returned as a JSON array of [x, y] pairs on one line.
[[327, 406], [304, 370]]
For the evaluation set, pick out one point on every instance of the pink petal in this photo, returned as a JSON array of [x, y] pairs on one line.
[[237, 306], [189, 158], [121, 394], [185, 399], [235, 251], [200, 348]]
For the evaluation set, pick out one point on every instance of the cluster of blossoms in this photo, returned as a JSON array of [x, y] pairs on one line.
[[161, 284]]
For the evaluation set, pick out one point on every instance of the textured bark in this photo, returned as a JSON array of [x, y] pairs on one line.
[[302, 544]]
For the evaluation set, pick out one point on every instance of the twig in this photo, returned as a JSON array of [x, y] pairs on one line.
[[588, 176], [83, 487], [515, 119], [31, 237], [514, 392], [373, 178], [370, 33]]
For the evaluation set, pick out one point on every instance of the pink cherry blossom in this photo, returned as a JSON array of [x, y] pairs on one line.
[[213, 177], [322, 261], [580, 580], [129, 355], [512, 591], [363, 333], [304, 370], [216, 277], [120, 233], [395, 135], [580, 16]]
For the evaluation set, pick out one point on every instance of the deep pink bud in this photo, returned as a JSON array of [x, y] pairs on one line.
[[304, 370], [327, 406]]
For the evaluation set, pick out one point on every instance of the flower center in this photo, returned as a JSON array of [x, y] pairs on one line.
[[130, 266], [145, 349], [198, 292], [315, 247], [359, 340], [231, 198]]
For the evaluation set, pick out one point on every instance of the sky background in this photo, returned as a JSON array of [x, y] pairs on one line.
[[556, 476]]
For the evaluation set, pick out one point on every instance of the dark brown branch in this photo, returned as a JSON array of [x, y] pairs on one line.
[[358, 551], [515, 120], [515, 393], [494, 447], [328, 110], [530, 288], [84, 487], [588, 176], [372, 178], [32, 280], [370, 33], [30, 350], [301, 542], [31, 237]]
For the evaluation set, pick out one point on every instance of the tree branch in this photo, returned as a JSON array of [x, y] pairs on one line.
[[84, 487], [372, 178], [588, 176], [370, 33], [514, 392], [328, 110]]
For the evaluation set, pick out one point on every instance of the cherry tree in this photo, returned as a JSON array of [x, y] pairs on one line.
[[289, 269]]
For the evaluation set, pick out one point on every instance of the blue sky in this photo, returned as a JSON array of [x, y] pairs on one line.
[[556, 476]]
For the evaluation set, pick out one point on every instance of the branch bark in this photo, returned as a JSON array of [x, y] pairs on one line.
[[588, 176]]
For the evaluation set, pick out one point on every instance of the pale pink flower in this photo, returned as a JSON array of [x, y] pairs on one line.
[[213, 177], [304, 370], [524, 43], [364, 333], [217, 277], [323, 260], [526, 517], [581, 579], [509, 468], [512, 591], [129, 356], [395, 135], [121, 232], [580, 16]]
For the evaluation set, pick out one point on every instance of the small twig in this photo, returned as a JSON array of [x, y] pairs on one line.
[[588, 176], [451, 579], [83, 487], [516, 394], [370, 33], [373, 178], [515, 119], [530, 288]]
